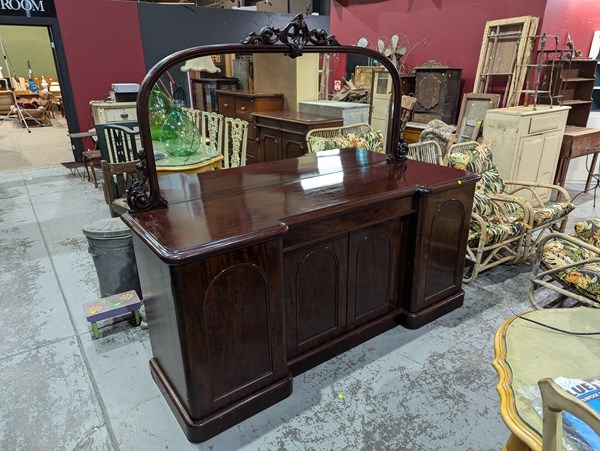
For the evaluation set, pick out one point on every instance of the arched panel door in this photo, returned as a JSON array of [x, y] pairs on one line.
[[315, 294]]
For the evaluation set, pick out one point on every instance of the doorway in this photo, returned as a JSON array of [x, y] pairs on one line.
[[28, 67]]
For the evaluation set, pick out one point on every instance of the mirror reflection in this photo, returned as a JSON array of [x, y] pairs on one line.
[[228, 110]]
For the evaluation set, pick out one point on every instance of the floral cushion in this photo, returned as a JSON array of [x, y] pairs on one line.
[[495, 233], [372, 140], [479, 159], [543, 215], [497, 229], [584, 278], [589, 231]]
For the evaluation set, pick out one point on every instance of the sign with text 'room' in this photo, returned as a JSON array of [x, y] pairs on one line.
[[27, 8]]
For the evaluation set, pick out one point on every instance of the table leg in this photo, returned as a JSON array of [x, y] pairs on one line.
[[591, 173], [95, 330], [93, 172], [87, 169], [561, 174], [138, 320]]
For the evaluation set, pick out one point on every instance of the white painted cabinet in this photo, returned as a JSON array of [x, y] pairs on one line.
[[106, 112], [526, 143]]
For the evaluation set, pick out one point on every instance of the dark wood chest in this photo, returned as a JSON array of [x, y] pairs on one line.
[[437, 92]]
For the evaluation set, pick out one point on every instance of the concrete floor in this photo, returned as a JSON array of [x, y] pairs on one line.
[[426, 389]]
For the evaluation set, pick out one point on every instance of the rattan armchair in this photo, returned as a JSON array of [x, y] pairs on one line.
[[427, 151], [568, 265], [545, 216], [357, 135]]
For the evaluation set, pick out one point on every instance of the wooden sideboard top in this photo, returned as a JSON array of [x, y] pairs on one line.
[[211, 211]]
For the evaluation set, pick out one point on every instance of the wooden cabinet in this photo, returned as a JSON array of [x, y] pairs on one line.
[[268, 270], [282, 135], [526, 143], [241, 104], [437, 90], [109, 112]]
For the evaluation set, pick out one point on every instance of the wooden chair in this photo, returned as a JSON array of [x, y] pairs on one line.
[[118, 142], [356, 135], [118, 178], [555, 400], [427, 151], [545, 216], [235, 142]]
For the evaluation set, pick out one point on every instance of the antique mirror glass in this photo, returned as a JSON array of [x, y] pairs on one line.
[[220, 107]]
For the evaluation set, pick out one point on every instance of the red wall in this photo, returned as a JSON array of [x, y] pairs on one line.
[[579, 18], [103, 45], [453, 28]]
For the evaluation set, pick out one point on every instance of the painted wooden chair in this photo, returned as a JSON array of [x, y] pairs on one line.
[[235, 142], [569, 265], [555, 400], [117, 179], [118, 143]]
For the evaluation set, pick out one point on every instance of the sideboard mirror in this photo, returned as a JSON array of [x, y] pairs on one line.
[[255, 96]]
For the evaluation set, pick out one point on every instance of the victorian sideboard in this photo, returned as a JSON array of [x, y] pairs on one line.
[[255, 274]]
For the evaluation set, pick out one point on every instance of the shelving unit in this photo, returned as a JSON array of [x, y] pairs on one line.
[[596, 90], [571, 83]]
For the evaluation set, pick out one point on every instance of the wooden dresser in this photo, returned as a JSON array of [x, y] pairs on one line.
[[526, 143], [241, 104], [282, 134]]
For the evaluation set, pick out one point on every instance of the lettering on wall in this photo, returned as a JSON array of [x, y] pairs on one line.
[[27, 8]]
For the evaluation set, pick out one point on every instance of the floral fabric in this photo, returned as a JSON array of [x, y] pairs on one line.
[[589, 231], [479, 159], [372, 141], [584, 278]]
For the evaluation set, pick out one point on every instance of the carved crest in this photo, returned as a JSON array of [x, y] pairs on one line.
[[295, 34]]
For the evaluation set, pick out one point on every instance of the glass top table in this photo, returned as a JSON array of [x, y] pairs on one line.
[[527, 352], [204, 160]]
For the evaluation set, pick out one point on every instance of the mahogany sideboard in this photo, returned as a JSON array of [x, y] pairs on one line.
[[255, 274]]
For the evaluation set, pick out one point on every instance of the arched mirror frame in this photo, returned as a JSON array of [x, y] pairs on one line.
[[293, 40]]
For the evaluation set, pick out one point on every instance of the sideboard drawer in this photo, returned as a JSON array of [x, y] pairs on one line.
[[244, 109]]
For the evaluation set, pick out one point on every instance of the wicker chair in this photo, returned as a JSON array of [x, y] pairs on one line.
[[427, 151], [496, 236], [357, 135], [568, 265], [545, 216]]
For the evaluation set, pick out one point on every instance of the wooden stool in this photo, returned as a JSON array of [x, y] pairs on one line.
[[91, 157], [111, 306]]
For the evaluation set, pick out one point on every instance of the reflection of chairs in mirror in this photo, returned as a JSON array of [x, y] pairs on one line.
[[211, 130], [236, 138], [427, 151], [117, 179], [356, 135]]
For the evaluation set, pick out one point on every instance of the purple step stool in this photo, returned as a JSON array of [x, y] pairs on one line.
[[111, 306]]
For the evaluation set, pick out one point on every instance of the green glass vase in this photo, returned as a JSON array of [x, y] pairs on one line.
[[159, 108], [178, 133]]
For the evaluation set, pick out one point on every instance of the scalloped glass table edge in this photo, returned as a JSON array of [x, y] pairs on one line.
[[526, 352]]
